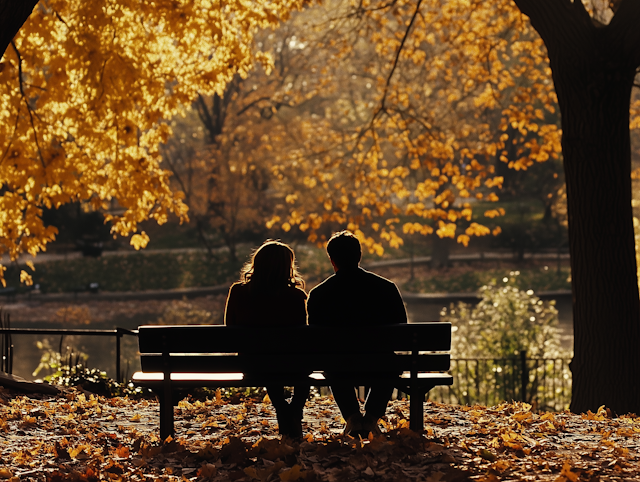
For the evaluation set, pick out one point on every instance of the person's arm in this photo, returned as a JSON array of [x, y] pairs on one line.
[[398, 310], [300, 314], [230, 308], [314, 309]]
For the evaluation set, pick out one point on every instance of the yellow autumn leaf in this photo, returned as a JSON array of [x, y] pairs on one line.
[[26, 278], [139, 241]]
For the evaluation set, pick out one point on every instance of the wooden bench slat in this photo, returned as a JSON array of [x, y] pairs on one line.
[[280, 362], [155, 379], [435, 336], [141, 377]]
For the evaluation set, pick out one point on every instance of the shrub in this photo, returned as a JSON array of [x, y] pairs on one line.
[[509, 338], [69, 370]]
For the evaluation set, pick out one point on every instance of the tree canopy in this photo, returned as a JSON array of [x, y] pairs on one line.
[[86, 92], [374, 121]]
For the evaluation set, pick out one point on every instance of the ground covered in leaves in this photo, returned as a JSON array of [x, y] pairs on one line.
[[80, 437]]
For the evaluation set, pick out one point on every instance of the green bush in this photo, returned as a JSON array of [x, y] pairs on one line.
[[490, 338], [69, 370]]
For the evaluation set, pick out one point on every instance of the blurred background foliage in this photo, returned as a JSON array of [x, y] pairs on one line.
[[508, 346]]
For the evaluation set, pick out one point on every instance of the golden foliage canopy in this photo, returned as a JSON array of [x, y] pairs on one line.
[[86, 90], [431, 96]]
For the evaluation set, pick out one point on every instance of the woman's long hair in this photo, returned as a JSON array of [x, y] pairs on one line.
[[272, 267]]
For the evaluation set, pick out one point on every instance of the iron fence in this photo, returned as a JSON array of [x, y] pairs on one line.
[[7, 348], [543, 382]]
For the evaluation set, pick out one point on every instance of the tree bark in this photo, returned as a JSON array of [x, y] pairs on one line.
[[593, 71], [13, 14]]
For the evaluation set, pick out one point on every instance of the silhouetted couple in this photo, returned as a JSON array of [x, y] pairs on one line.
[[270, 292]]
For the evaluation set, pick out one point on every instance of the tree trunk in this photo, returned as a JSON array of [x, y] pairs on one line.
[[13, 14], [593, 71], [606, 306]]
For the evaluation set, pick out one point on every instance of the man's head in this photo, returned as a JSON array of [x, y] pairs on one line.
[[344, 250]]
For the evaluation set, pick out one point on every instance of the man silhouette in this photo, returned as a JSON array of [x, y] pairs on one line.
[[355, 297]]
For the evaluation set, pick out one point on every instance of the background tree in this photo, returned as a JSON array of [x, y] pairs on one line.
[[594, 58], [429, 100], [247, 133]]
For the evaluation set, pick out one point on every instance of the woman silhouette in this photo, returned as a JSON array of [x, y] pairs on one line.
[[270, 293]]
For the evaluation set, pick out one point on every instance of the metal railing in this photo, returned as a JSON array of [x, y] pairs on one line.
[[542, 382], [6, 344]]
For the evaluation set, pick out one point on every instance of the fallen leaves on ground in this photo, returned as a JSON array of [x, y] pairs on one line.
[[81, 437]]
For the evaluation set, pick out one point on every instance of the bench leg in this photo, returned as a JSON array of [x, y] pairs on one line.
[[416, 410], [166, 414], [416, 406]]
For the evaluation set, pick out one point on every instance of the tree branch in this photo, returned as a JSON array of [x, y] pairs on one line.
[[176, 174], [625, 30], [251, 104], [206, 118], [398, 52], [26, 103], [560, 22], [15, 128], [382, 108]]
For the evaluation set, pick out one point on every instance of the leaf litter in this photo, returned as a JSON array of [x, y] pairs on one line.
[[83, 437]]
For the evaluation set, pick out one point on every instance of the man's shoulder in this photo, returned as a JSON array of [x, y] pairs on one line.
[[323, 286], [378, 280], [377, 277]]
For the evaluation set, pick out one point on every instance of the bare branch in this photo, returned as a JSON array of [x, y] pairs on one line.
[[382, 108], [15, 128], [251, 104], [174, 170], [26, 103], [398, 52]]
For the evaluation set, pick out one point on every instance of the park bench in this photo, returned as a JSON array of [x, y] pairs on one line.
[[191, 356]]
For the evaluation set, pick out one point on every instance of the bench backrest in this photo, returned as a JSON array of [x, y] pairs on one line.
[[420, 347]]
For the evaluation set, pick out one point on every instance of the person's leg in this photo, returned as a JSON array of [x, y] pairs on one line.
[[300, 396], [276, 395], [376, 404], [346, 399], [296, 408], [283, 411]]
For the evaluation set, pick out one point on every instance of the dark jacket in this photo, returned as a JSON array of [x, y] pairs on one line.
[[285, 307], [355, 297]]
